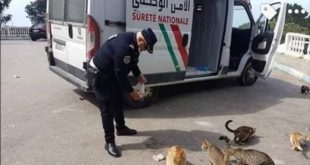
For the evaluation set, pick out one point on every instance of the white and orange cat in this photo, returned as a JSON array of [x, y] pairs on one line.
[[298, 140], [176, 156]]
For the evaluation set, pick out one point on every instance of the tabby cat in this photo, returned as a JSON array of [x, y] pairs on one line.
[[217, 156], [176, 156], [298, 140], [250, 156], [242, 133]]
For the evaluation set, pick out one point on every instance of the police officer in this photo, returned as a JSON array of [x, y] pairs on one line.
[[114, 60]]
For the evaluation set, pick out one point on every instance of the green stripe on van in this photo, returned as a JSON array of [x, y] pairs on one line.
[[169, 46]]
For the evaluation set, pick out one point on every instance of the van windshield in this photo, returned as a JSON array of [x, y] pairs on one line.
[[56, 8], [75, 11]]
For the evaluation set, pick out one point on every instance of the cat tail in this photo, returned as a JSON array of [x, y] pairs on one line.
[[226, 125], [225, 138]]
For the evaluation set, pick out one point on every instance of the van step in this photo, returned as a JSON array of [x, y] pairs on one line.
[[74, 80]]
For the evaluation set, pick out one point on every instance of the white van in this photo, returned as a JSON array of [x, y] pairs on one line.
[[197, 39]]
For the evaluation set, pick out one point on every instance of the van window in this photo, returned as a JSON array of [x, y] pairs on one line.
[[75, 11], [241, 19], [241, 35], [56, 8]]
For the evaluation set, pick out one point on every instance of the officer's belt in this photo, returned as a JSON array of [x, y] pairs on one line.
[[91, 63]]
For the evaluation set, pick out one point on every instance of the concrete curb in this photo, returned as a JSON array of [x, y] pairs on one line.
[[291, 71]]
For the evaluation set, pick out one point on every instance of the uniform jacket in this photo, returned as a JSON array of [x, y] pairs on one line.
[[117, 57]]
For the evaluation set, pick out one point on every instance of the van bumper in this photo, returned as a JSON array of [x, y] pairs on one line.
[[50, 56], [75, 81]]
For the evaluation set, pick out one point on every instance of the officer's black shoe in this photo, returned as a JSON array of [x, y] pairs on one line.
[[125, 131], [112, 149]]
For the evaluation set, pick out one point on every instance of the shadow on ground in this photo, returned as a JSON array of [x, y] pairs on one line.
[[213, 98], [163, 139], [306, 151], [251, 142]]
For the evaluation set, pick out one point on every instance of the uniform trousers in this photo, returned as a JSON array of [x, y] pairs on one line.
[[109, 97]]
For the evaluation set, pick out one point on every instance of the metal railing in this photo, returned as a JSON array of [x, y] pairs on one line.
[[297, 45], [8, 33]]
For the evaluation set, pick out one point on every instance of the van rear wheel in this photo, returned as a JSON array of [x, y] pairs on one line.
[[248, 76], [150, 97]]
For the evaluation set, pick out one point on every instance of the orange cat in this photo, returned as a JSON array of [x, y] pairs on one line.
[[176, 156], [298, 140]]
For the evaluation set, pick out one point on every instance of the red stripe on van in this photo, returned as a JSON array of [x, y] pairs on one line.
[[178, 38]]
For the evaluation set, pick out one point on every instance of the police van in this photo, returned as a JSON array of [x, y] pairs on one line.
[[197, 39]]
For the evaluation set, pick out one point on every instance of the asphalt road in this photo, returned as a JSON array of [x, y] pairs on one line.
[[46, 120]]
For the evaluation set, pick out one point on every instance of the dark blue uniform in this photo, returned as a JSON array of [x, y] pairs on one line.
[[115, 59]]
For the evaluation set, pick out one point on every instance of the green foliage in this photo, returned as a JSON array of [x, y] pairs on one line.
[[36, 11], [301, 19], [291, 27], [296, 23], [4, 4], [245, 26]]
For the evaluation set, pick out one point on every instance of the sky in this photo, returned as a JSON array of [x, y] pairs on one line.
[[17, 9], [19, 16]]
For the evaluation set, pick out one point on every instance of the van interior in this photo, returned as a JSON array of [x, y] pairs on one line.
[[207, 36]]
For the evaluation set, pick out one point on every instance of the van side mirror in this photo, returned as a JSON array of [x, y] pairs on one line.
[[184, 40], [262, 42]]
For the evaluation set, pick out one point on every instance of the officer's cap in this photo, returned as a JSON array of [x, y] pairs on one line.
[[150, 39]]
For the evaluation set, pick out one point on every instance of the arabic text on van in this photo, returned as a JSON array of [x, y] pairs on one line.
[[138, 16], [162, 4], [161, 15]]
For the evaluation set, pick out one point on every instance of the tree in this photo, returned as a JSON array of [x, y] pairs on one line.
[[4, 4], [36, 11], [299, 18], [295, 22]]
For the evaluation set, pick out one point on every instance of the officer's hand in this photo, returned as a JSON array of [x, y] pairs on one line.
[[135, 95], [142, 79]]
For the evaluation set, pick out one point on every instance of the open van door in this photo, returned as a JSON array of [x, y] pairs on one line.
[[265, 41]]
